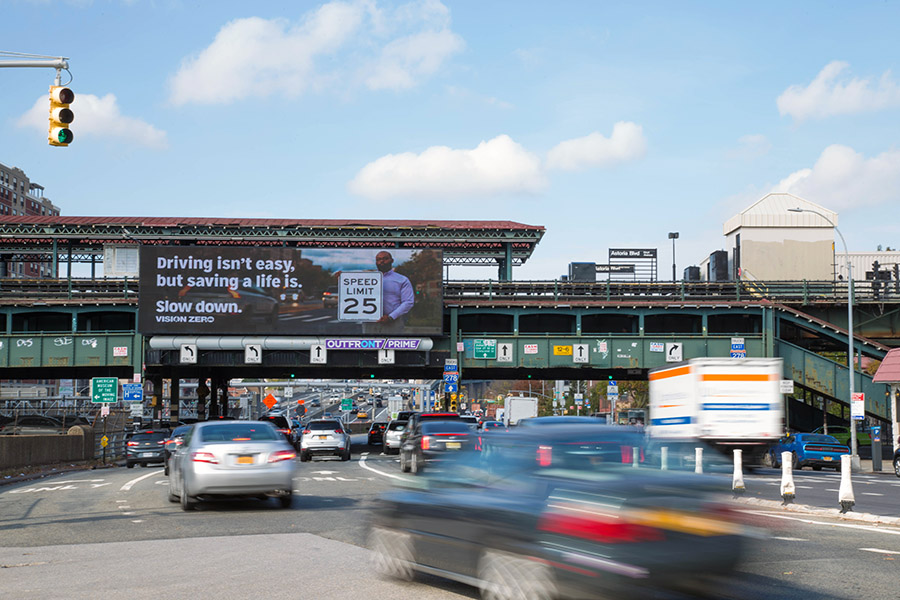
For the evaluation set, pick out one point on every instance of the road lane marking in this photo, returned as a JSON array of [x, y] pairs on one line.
[[789, 539], [812, 522], [879, 551], [129, 484], [362, 463]]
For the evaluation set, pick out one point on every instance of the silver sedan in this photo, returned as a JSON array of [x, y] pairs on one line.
[[232, 458]]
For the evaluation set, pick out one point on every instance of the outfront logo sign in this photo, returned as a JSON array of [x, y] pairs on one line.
[[204, 290]]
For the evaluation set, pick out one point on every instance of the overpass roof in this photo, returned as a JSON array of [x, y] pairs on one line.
[[889, 369], [463, 242]]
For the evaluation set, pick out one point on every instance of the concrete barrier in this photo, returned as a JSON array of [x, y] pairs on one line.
[[29, 450]]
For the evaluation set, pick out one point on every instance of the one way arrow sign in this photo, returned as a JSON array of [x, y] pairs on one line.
[[318, 355], [580, 353], [505, 352], [674, 351]]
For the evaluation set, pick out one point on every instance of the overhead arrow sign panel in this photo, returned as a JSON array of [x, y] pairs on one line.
[[385, 357], [505, 352], [318, 355], [188, 354], [674, 352], [253, 354], [580, 353]]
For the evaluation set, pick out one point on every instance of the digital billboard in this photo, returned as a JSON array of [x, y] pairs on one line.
[[206, 290]]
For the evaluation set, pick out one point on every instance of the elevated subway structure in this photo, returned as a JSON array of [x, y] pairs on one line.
[[82, 327]]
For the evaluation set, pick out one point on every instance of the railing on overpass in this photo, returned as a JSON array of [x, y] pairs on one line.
[[804, 292]]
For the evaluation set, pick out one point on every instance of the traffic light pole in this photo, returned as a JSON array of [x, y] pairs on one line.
[[59, 63]]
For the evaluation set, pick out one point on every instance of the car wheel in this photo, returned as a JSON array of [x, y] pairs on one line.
[[286, 500], [416, 466], [187, 503], [130, 465], [504, 576], [897, 467], [346, 455], [393, 553], [796, 463], [767, 460], [403, 466], [304, 456], [172, 497]]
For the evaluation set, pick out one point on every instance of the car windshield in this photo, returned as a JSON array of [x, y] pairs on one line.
[[234, 432], [323, 426], [445, 427], [397, 426], [279, 422], [820, 439], [439, 417], [149, 437]]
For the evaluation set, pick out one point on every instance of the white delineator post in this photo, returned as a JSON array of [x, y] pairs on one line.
[[635, 457], [664, 458], [787, 478], [737, 482], [698, 460], [845, 492]]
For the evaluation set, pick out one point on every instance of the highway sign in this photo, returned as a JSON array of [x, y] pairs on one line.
[[451, 377], [451, 364], [580, 353], [347, 404], [484, 348], [104, 389], [451, 388], [505, 352], [385, 357], [133, 392], [318, 355], [359, 296], [612, 388], [270, 401], [253, 354], [614, 383], [188, 354]]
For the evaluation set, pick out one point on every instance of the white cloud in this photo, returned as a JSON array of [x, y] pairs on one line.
[[843, 178], [256, 57], [99, 117], [498, 166], [827, 96], [627, 142]]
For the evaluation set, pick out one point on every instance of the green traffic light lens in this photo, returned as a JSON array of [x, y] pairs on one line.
[[64, 136]]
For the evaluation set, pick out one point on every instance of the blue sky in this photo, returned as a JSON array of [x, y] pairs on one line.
[[610, 124]]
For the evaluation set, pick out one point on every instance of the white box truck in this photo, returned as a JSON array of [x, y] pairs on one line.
[[727, 402], [519, 407]]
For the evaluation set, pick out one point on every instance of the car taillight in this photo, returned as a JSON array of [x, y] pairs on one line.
[[339, 431], [281, 455], [426, 442], [132, 443], [161, 442], [284, 431], [205, 457], [545, 456], [305, 431], [608, 528]]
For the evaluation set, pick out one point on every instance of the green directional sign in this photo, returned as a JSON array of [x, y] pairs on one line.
[[347, 404], [104, 389], [484, 348]]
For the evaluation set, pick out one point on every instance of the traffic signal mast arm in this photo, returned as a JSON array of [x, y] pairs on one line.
[[58, 133]]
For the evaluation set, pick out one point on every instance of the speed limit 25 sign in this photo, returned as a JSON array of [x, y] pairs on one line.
[[359, 296]]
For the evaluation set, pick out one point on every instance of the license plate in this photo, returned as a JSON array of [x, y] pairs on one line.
[[146, 454], [245, 460], [321, 437], [827, 458], [453, 445]]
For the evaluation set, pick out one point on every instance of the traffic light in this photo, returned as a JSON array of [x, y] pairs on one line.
[[61, 115], [453, 406]]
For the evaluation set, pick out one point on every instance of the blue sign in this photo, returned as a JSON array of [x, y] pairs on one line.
[[133, 392], [876, 434], [613, 383], [451, 377], [451, 388]]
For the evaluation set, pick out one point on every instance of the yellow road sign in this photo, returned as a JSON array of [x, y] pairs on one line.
[[562, 350], [104, 441]]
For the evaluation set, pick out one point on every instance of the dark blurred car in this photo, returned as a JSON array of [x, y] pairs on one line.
[[418, 417], [557, 512], [558, 420], [376, 433], [487, 426], [897, 462], [330, 296], [32, 425], [175, 439], [146, 447], [431, 441], [808, 450], [282, 424], [232, 458]]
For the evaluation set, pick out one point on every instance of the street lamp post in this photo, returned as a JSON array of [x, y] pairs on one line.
[[854, 456], [673, 235]]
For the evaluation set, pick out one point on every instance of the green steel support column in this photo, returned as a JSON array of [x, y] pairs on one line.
[[137, 355], [507, 262], [74, 322], [640, 331], [55, 260], [454, 331], [769, 331], [578, 323]]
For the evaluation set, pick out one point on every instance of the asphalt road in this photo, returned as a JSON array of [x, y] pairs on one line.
[[112, 534]]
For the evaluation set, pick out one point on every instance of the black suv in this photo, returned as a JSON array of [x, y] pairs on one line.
[[146, 447]]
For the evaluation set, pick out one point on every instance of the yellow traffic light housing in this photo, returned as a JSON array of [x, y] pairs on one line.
[[61, 116]]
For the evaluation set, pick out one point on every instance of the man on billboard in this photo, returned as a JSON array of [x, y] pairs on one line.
[[397, 293]]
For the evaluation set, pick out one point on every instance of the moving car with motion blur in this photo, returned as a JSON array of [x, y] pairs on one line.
[[431, 441], [175, 439], [325, 437], [808, 450], [282, 424], [146, 447], [393, 434], [555, 512], [232, 458]]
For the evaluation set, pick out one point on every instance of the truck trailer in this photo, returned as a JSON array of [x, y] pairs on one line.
[[729, 403], [516, 408]]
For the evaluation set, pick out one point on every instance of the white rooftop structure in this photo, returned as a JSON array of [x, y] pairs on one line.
[[772, 211]]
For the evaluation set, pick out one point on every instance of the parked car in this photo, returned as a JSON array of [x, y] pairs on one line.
[[430, 442], [32, 425], [325, 436], [557, 515], [393, 434], [146, 447], [897, 462], [808, 450], [376, 433], [232, 458], [842, 434], [175, 439]]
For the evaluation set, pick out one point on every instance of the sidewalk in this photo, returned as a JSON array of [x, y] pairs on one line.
[[887, 466]]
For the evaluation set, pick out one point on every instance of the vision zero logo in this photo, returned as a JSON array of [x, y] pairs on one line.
[[359, 296]]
